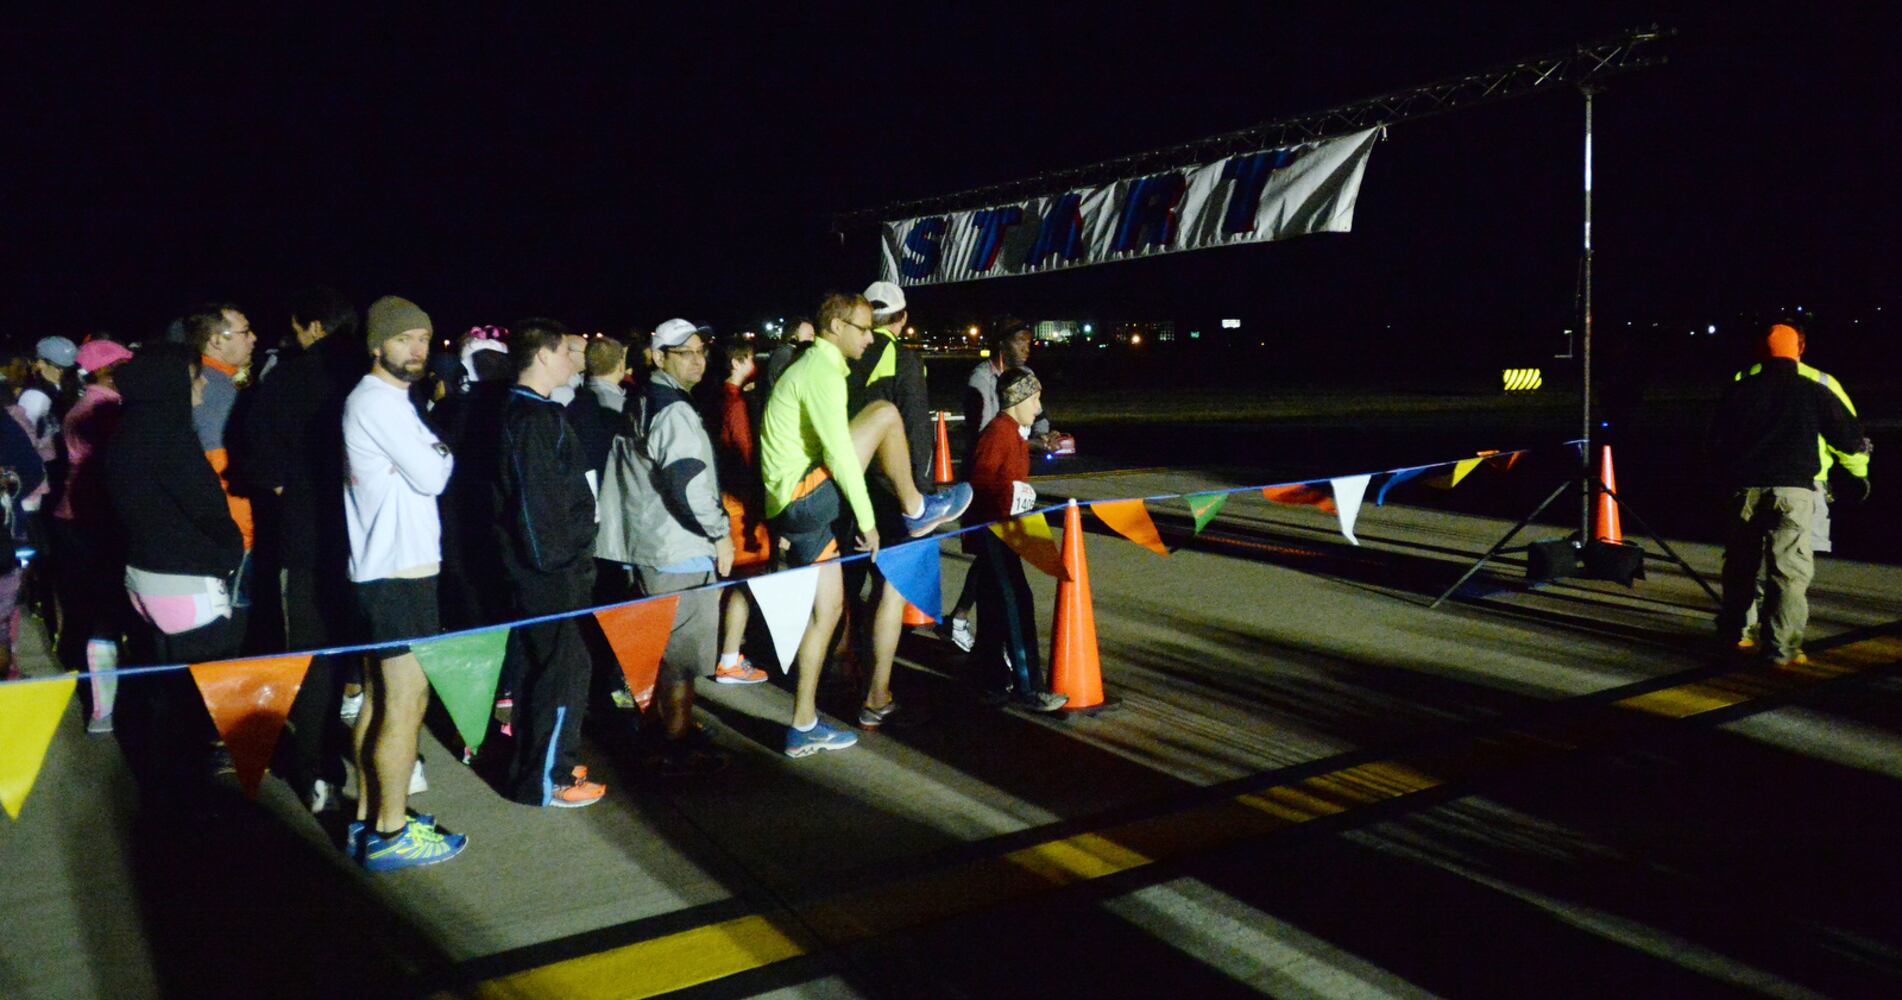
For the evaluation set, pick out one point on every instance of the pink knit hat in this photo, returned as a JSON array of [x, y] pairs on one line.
[[99, 355]]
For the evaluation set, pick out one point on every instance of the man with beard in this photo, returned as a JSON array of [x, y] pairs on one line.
[[396, 469]]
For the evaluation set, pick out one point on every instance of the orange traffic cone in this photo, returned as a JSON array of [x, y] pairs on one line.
[[1075, 667], [914, 617], [941, 462], [1609, 529]]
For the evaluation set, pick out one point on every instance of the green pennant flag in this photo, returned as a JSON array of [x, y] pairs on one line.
[[464, 670], [1205, 506]]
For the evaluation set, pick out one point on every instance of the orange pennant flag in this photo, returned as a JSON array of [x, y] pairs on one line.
[[1501, 462], [1130, 519], [1303, 495], [249, 700], [1030, 537], [29, 713], [638, 634]]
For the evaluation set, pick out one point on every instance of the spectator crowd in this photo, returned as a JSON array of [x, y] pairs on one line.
[[189, 499]]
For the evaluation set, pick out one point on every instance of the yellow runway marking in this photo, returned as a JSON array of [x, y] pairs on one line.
[[664, 964], [704, 954]]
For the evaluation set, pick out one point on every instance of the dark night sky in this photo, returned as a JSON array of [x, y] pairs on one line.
[[615, 172]]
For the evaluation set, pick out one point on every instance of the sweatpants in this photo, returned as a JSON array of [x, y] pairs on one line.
[[552, 692], [1006, 620], [161, 723], [318, 610]]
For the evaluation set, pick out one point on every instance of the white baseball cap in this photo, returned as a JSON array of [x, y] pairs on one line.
[[885, 297], [675, 332]]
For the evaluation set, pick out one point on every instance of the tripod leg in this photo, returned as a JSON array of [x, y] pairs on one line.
[[1666, 546], [1500, 545]]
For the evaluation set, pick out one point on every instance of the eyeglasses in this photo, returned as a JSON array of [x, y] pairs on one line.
[[855, 326]]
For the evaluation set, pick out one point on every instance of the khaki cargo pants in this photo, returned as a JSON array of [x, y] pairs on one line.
[[1769, 528]]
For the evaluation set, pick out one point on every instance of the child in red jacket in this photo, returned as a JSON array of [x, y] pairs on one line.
[[1007, 624]]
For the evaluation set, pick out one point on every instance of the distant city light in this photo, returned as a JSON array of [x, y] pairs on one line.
[[972, 331], [1711, 329], [1136, 338], [985, 353], [1231, 324], [911, 331], [1195, 335], [1087, 328]]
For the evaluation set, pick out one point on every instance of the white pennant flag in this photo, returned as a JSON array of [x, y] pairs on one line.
[[785, 598], [1348, 492]]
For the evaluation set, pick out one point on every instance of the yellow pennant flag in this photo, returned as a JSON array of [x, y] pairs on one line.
[[1030, 537], [29, 712], [1460, 469]]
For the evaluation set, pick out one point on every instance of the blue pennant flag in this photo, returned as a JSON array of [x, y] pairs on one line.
[[1380, 499], [913, 569]]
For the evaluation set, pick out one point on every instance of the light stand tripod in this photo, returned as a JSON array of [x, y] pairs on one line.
[[1585, 481]]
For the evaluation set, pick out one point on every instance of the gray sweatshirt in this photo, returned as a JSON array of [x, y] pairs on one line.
[[660, 497]]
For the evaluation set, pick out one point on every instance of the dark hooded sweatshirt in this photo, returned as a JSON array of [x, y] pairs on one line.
[[162, 488]]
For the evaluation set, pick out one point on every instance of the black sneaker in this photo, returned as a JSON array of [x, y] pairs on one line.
[[685, 759]]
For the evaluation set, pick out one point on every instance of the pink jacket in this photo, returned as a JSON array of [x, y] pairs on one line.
[[89, 425]]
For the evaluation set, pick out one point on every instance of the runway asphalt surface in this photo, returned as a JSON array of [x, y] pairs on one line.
[[1316, 786]]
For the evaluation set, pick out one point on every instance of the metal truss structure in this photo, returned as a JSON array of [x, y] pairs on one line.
[[1579, 66]]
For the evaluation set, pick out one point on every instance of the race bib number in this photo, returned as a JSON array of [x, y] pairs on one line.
[[1022, 498]]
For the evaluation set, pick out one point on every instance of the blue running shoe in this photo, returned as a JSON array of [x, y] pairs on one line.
[[819, 737], [940, 507], [353, 835], [416, 845]]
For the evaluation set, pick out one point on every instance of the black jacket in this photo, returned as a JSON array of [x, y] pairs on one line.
[[1766, 427], [906, 390], [18, 456], [546, 510], [295, 442], [596, 425], [162, 488]]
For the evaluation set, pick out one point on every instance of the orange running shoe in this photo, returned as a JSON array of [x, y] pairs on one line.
[[743, 672], [578, 793]]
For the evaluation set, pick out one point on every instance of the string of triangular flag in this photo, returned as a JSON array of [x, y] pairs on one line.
[[249, 699]]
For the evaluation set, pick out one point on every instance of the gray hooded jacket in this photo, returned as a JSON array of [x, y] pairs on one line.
[[660, 496]]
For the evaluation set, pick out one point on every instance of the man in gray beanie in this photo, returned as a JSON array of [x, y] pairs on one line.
[[396, 469]]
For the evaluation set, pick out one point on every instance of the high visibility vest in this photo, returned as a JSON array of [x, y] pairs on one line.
[[1857, 464]]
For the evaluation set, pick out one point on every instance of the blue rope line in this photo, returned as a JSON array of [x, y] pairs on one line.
[[718, 585]]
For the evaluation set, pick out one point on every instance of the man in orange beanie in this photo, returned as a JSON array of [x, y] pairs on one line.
[[1788, 338], [1764, 441]]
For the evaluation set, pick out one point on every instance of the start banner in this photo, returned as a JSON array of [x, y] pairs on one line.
[[1249, 198]]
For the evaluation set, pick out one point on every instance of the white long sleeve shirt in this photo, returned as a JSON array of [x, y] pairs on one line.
[[397, 468]]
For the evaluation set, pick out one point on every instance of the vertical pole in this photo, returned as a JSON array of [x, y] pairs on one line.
[[1588, 486]]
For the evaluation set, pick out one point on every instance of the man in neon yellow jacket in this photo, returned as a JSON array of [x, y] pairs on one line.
[[1856, 465]]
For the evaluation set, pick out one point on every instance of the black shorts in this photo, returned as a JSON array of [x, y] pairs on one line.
[[398, 609], [817, 525]]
